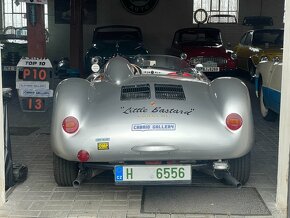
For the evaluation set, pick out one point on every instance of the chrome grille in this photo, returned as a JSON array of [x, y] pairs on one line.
[[202, 60], [167, 91], [135, 92]]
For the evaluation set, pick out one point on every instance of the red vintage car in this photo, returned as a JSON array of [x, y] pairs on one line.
[[204, 46]]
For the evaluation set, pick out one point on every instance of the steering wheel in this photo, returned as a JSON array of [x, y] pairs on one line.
[[200, 16]]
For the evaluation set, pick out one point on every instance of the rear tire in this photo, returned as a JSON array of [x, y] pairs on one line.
[[266, 113], [240, 168], [252, 71], [65, 172]]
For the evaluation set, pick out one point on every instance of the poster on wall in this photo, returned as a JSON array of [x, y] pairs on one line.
[[63, 13]]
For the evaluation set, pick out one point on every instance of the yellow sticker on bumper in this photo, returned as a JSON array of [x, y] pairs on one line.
[[103, 146]]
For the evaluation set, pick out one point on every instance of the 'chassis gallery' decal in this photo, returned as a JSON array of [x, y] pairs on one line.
[[154, 127]]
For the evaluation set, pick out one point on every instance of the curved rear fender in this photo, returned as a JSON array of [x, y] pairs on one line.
[[74, 96], [231, 95], [70, 99]]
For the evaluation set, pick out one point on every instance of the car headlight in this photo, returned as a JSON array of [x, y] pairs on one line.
[[96, 60], [234, 56], [276, 59], [264, 58], [199, 67], [183, 56]]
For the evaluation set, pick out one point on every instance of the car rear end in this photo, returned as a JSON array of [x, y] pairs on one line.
[[153, 120], [151, 128]]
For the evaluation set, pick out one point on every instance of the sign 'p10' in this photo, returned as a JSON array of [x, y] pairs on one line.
[[35, 74]]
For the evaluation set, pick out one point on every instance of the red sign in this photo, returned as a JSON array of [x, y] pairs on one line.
[[33, 104], [35, 74]]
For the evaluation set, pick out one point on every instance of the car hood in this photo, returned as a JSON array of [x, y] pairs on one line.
[[273, 51], [111, 48], [192, 51]]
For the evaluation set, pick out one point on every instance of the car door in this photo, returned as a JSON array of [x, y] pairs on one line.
[[243, 50]]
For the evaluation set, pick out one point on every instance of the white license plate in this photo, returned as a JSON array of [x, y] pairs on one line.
[[152, 173], [9, 68], [211, 69]]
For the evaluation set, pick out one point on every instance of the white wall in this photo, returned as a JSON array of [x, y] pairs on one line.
[[158, 26]]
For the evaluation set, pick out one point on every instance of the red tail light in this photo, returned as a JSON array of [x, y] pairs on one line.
[[83, 156], [234, 121], [70, 125], [187, 74]]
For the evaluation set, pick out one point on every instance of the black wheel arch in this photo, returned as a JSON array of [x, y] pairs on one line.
[[250, 63]]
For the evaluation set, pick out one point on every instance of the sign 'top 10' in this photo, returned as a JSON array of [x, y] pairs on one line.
[[32, 82]]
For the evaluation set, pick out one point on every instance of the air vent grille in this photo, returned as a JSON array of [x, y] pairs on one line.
[[204, 60], [167, 91], [135, 92]]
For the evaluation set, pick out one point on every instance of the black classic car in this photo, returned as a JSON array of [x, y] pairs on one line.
[[108, 41]]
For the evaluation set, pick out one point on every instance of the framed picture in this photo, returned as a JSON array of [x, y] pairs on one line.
[[63, 12]]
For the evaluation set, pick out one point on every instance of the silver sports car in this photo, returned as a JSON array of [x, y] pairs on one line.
[[151, 119]]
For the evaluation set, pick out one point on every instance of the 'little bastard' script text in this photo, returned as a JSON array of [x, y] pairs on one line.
[[160, 110]]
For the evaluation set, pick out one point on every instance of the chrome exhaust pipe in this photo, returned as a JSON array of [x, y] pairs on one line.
[[223, 176], [228, 179], [85, 174], [82, 174]]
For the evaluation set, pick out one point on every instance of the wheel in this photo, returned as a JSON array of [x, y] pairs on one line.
[[252, 71], [240, 168], [266, 113], [65, 172]]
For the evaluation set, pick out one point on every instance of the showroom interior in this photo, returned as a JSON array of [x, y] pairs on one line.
[[69, 36]]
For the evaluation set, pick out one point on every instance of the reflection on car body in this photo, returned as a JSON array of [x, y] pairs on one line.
[[151, 128]]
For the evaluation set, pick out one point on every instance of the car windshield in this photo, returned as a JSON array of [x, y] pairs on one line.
[[272, 38], [116, 34], [160, 62], [200, 37]]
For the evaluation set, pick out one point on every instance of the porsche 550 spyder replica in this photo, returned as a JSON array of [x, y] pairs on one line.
[[151, 119]]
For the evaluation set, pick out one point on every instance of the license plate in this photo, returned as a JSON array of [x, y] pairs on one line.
[[211, 69], [152, 173], [9, 68]]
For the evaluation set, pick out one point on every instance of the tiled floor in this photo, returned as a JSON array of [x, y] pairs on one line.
[[39, 196]]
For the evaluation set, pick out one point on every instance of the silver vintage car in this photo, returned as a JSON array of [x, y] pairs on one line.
[[151, 119]]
